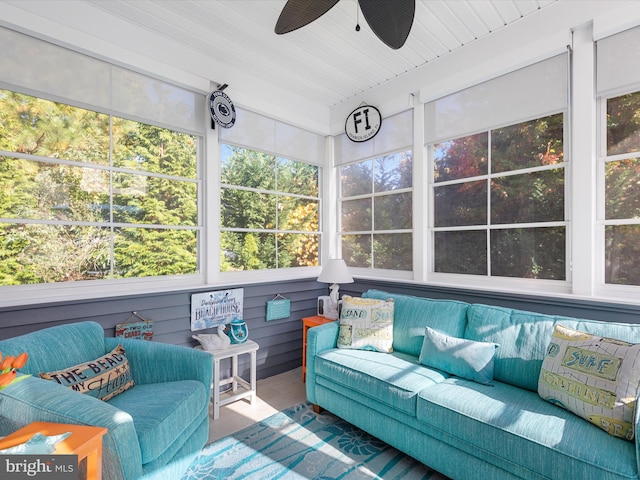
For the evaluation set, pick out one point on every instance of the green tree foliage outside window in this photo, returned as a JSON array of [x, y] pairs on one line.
[[376, 212], [499, 202], [622, 191], [86, 195], [270, 211]]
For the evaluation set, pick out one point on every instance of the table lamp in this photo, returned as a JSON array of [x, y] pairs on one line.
[[335, 271]]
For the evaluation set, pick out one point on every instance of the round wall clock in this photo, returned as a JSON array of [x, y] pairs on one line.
[[222, 110], [363, 123]]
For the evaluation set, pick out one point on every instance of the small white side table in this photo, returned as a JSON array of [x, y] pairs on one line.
[[240, 388]]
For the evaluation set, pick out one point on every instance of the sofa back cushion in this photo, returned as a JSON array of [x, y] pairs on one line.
[[524, 336], [413, 314], [56, 348]]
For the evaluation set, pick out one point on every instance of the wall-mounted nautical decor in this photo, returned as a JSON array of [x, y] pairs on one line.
[[215, 308], [221, 108], [139, 328], [363, 123], [279, 307]]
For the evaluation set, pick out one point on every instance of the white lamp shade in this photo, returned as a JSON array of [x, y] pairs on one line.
[[335, 271]]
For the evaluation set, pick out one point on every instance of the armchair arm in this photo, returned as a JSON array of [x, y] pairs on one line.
[[320, 338], [155, 362], [37, 400]]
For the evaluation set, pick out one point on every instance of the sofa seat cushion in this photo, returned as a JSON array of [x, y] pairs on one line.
[[516, 429], [392, 379], [161, 412]]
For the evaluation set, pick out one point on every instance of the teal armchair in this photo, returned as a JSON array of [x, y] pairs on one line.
[[155, 428]]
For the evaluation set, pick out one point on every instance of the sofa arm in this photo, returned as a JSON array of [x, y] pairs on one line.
[[320, 338], [155, 362], [37, 400]]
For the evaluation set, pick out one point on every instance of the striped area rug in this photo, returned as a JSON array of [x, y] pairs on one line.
[[300, 444]]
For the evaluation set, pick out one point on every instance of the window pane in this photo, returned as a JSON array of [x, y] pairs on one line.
[[49, 129], [461, 204], [144, 252], [356, 250], [623, 124], [393, 251], [393, 212], [622, 262], [298, 214], [138, 146], [622, 196], [152, 200], [246, 209], [247, 251], [393, 172], [297, 250], [529, 253], [529, 144], [356, 179], [297, 177], [533, 197], [248, 168], [461, 252], [53, 253], [43, 191], [356, 215], [461, 158]]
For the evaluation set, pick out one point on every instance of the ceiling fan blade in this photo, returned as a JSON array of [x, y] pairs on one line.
[[390, 20], [298, 13]]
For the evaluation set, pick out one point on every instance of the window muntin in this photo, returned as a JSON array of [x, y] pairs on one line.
[[376, 212], [270, 211], [498, 199], [622, 190], [68, 207]]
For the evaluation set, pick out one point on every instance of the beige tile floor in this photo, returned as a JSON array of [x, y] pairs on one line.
[[273, 395]]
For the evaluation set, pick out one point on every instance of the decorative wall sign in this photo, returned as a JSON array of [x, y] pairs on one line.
[[363, 123], [215, 308], [279, 307], [221, 108], [142, 329]]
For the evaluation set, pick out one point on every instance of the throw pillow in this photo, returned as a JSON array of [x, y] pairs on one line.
[[594, 377], [458, 356], [366, 324], [103, 378]]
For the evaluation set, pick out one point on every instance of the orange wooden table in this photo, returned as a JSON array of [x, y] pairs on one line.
[[84, 441], [307, 323]]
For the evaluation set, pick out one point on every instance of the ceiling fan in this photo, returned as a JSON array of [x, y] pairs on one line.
[[390, 20]]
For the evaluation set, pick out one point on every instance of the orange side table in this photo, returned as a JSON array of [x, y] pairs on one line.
[[84, 441], [307, 323]]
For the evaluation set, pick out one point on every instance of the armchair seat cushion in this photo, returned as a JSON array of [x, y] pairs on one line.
[[159, 411]]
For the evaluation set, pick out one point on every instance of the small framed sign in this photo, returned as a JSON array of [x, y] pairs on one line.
[[363, 123], [279, 307], [142, 329], [215, 308]]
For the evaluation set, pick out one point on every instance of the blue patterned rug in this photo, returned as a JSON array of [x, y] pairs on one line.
[[300, 444]]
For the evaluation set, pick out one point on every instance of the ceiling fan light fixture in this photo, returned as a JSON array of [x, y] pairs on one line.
[[390, 20]]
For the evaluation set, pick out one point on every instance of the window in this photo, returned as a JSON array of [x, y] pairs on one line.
[[622, 190], [376, 212], [270, 210], [87, 195], [498, 200]]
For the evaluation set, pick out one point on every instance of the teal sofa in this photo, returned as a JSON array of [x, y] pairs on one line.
[[155, 428], [464, 429]]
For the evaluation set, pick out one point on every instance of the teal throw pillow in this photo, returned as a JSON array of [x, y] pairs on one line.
[[458, 356]]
